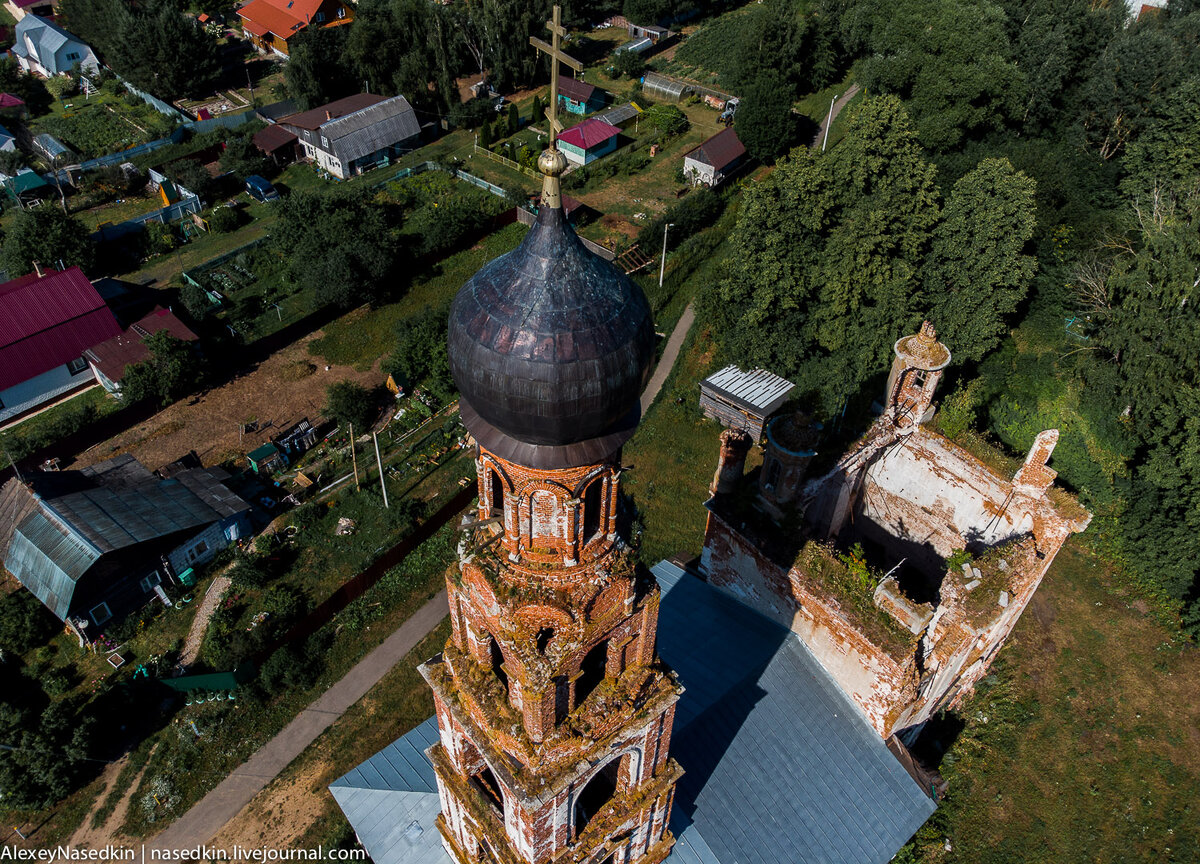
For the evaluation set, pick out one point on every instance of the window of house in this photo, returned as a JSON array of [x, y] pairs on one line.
[[100, 613], [320, 17], [77, 365], [324, 141], [74, 55], [150, 581], [341, 11], [197, 550]]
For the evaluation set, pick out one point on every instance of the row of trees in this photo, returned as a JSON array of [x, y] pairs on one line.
[[1015, 164]]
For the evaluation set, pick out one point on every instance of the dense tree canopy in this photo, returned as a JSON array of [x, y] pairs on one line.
[[338, 245], [169, 372], [49, 236], [154, 45]]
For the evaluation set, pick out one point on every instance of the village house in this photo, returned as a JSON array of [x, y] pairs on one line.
[[112, 357], [95, 544], [588, 141], [47, 321], [354, 134], [44, 48], [957, 545], [579, 97], [709, 163], [271, 24]]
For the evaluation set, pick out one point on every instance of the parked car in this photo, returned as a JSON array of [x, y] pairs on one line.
[[260, 188]]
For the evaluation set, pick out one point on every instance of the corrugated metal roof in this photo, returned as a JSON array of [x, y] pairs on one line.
[[315, 118], [115, 518], [590, 133], [48, 559], [758, 390], [48, 321], [573, 88], [719, 151], [779, 764], [615, 116], [371, 129]]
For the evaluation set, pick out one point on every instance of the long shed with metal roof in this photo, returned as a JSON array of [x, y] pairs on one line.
[[743, 400]]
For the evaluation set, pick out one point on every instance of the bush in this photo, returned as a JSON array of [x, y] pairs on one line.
[[24, 622], [693, 214], [223, 220], [349, 403]]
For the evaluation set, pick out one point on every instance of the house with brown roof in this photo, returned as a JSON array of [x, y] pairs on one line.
[[579, 97], [47, 321], [355, 134], [112, 357], [713, 160], [270, 24]]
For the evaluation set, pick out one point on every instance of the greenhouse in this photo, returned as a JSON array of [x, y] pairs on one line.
[[662, 88]]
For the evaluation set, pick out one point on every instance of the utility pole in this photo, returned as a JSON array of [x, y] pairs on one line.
[[828, 123], [662, 270], [379, 462], [354, 459]]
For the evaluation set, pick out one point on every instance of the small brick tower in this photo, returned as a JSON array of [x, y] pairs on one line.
[[915, 374], [554, 709]]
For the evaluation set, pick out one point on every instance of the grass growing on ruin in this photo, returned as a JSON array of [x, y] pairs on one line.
[[1083, 744]]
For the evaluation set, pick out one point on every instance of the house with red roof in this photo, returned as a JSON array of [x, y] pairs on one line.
[[588, 141], [112, 357], [713, 160], [47, 322], [270, 24]]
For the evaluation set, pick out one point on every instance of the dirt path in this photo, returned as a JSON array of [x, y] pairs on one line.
[[88, 837], [288, 385], [195, 637]]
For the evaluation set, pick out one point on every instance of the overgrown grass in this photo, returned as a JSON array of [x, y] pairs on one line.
[[673, 455], [1082, 743], [55, 423], [361, 337]]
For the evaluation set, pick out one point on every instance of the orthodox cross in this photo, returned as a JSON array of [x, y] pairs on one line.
[[556, 54]]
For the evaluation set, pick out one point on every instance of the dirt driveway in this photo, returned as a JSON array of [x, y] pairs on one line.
[[287, 386]]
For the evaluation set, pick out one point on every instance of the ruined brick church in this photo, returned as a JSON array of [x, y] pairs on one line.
[[591, 711]]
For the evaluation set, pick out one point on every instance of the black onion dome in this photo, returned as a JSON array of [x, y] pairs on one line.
[[549, 347]]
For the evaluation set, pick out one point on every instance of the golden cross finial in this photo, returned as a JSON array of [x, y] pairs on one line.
[[556, 55]]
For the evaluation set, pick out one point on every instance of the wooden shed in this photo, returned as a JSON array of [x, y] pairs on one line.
[[743, 400]]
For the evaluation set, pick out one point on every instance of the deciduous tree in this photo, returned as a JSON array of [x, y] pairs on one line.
[[49, 236]]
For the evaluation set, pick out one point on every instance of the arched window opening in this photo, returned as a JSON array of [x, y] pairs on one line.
[[591, 509], [598, 792], [543, 639], [497, 495], [498, 663], [591, 672], [773, 473], [485, 782]]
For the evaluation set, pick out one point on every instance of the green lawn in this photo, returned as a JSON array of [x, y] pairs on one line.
[[1083, 744]]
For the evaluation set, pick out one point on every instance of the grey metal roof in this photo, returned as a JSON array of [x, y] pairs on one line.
[[779, 764], [620, 114], [46, 36], [48, 559], [370, 129], [392, 801], [758, 390], [208, 484]]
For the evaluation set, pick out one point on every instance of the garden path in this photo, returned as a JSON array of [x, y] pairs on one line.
[[195, 637]]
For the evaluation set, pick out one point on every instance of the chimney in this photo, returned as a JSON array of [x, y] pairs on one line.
[[37, 268]]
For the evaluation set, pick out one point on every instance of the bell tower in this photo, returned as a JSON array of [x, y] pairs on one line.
[[554, 709]]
